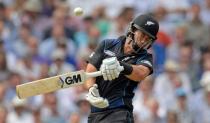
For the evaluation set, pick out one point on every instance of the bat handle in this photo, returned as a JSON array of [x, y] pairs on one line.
[[93, 74], [98, 73]]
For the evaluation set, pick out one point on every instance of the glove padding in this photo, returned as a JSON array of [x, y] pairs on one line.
[[95, 99], [111, 68]]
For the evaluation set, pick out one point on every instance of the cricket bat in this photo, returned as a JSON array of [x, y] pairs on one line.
[[54, 83]]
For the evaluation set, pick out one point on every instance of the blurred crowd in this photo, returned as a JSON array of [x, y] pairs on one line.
[[43, 38]]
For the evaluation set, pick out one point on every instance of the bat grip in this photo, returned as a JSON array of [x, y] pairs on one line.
[[98, 73], [93, 74]]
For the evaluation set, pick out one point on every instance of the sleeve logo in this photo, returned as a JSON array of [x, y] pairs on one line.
[[146, 62], [91, 55]]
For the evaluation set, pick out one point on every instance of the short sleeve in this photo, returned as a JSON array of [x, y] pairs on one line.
[[146, 61], [96, 57]]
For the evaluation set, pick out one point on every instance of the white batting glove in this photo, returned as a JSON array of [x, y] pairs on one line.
[[95, 99], [110, 68]]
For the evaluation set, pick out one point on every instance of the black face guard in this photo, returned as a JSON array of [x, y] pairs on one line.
[[135, 46]]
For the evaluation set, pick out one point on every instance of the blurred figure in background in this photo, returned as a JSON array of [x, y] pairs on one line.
[[3, 88], [205, 12], [50, 110], [75, 118], [19, 113], [3, 114], [14, 79], [59, 66], [102, 20], [4, 71], [19, 45], [119, 26], [59, 18], [167, 82], [172, 117], [197, 31], [185, 114], [32, 15], [83, 107], [58, 37], [188, 61], [27, 68], [202, 97]]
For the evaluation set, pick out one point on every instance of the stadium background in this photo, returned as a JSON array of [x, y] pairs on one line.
[[42, 38]]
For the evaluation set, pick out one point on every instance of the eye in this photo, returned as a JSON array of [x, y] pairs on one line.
[[134, 29]]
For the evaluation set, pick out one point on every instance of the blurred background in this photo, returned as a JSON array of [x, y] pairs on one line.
[[43, 38]]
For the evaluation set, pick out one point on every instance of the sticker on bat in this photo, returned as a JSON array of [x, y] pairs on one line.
[[69, 80]]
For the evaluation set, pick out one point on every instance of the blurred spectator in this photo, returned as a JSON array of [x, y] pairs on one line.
[[167, 82], [88, 38], [202, 97], [37, 116], [13, 80], [28, 68], [20, 47], [48, 7], [176, 12], [172, 117], [156, 115], [59, 66], [32, 16], [33, 50], [159, 50], [75, 118], [205, 12], [145, 103], [189, 63], [184, 111], [196, 29], [4, 72], [178, 39], [59, 18], [19, 114], [84, 107], [3, 114], [3, 88], [161, 14], [205, 58], [57, 39], [102, 20], [49, 111], [120, 24]]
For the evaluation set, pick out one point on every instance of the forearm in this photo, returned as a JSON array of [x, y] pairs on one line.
[[139, 73], [91, 81], [135, 72]]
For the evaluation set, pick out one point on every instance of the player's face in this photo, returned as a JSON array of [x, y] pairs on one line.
[[141, 38]]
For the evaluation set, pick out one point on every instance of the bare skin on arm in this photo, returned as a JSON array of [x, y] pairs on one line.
[[91, 81]]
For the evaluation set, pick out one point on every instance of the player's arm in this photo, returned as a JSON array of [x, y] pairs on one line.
[[94, 63], [139, 72], [91, 81]]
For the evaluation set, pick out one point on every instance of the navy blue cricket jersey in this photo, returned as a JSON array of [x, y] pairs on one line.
[[119, 91]]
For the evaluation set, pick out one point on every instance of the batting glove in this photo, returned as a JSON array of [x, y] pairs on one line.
[[111, 68], [95, 99]]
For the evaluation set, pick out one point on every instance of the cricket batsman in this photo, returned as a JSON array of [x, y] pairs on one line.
[[124, 62]]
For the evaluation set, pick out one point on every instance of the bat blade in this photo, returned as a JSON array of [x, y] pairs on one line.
[[50, 84]]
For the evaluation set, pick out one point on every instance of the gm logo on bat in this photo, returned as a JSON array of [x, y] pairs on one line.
[[69, 80]]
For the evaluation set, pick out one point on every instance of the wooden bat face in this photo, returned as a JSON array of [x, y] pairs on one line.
[[51, 84]]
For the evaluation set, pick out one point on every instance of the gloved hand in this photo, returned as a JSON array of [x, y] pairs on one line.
[[110, 68], [95, 99]]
